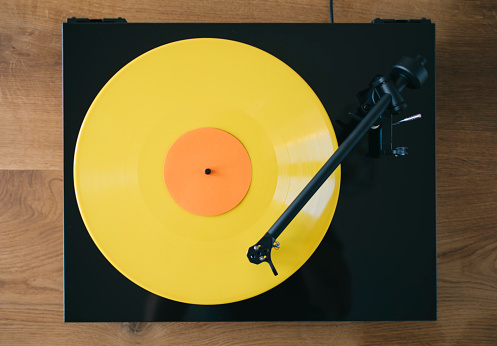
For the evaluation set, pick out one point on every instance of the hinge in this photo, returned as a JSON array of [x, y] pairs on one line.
[[75, 20], [397, 21]]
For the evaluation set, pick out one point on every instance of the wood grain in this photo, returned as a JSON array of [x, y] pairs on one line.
[[31, 263]]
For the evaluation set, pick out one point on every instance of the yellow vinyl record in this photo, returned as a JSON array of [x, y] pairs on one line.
[[186, 158]]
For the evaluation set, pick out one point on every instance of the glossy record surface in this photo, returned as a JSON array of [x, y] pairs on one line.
[[125, 137]]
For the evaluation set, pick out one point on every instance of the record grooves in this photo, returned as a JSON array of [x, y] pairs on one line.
[[133, 125]]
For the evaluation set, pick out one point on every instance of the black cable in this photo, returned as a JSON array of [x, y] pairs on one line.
[[331, 11]]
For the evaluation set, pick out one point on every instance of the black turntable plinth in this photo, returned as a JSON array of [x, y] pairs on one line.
[[377, 261]]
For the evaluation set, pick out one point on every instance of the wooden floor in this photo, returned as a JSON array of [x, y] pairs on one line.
[[31, 263]]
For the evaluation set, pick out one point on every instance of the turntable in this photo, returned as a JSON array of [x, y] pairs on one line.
[[187, 145]]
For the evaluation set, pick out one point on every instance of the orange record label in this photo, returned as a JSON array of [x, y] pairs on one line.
[[207, 171]]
